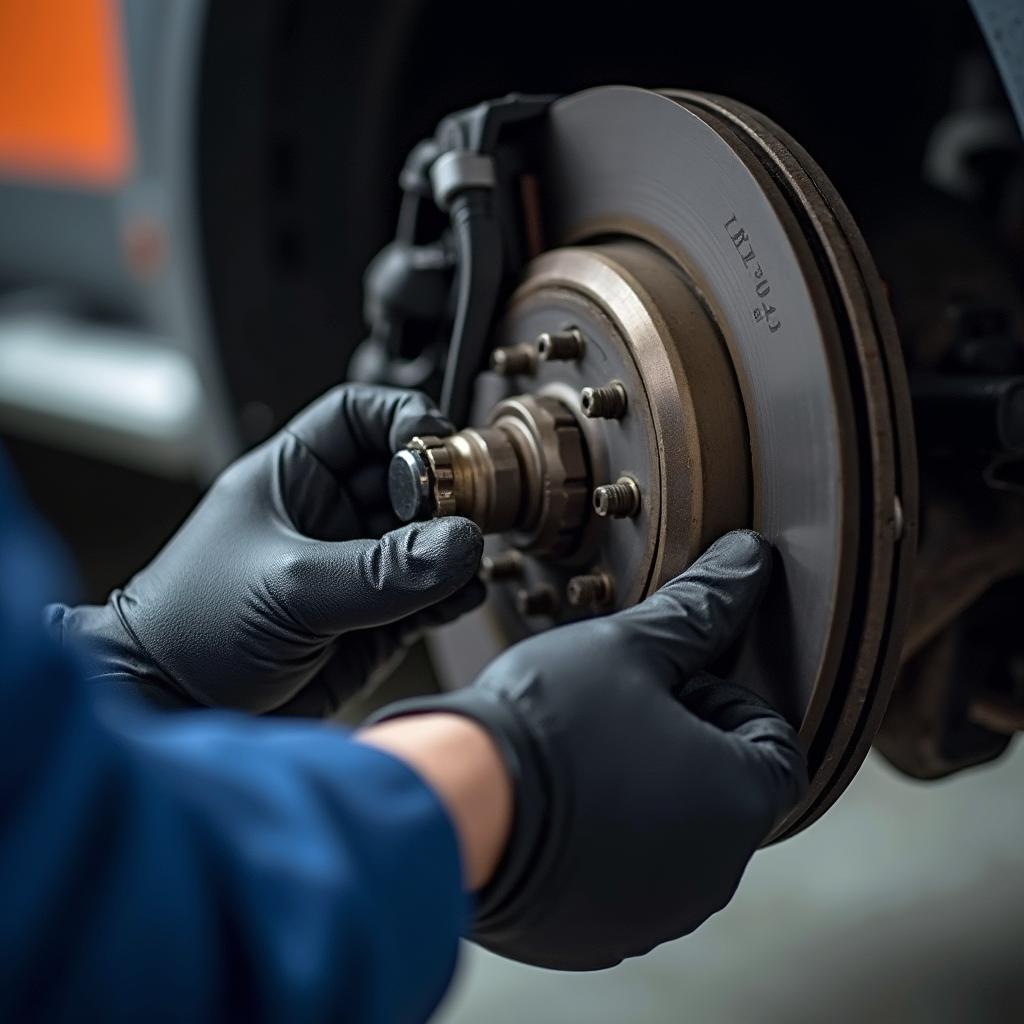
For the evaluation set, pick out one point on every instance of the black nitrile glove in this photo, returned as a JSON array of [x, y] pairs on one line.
[[643, 785], [270, 597]]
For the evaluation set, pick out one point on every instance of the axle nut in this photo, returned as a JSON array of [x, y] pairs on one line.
[[409, 485], [524, 473]]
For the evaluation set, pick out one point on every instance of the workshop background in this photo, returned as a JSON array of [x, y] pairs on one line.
[[189, 193]]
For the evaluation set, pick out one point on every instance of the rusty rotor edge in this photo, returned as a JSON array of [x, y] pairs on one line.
[[850, 262]]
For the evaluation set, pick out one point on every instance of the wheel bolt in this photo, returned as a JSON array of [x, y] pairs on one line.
[[507, 565], [537, 601], [590, 590], [606, 403], [515, 360], [564, 345], [619, 500]]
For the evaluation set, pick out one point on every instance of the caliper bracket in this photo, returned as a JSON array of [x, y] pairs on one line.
[[454, 281]]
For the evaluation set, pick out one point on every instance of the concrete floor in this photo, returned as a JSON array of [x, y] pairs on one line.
[[904, 904]]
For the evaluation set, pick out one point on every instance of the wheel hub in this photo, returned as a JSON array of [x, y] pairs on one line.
[[738, 367]]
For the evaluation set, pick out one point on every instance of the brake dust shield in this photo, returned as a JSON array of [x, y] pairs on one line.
[[716, 274]]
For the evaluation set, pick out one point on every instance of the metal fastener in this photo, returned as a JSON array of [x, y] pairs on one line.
[[409, 485], [589, 591], [506, 565], [540, 600], [515, 360], [604, 403], [566, 345], [619, 500]]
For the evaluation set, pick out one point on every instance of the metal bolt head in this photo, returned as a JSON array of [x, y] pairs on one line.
[[564, 345], [620, 500], [605, 403], [589, 591]]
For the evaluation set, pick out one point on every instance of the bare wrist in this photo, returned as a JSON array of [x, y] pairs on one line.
[[457, 758]]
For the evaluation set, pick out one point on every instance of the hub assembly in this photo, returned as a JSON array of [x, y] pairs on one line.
[[699, 342]]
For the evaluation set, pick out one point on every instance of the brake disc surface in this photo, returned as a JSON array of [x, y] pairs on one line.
[[687, 234]]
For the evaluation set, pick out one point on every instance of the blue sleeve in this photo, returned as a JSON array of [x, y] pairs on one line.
[[202, 866]]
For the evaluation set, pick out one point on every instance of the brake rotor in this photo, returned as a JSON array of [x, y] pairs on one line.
[[719, 280]]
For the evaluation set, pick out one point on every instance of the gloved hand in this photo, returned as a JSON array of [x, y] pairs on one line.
[[642, 784], [270, 597]]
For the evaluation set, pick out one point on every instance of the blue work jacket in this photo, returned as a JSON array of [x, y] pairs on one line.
[[200, 866]]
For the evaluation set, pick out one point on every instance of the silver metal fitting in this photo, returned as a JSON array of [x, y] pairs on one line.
[[526, 471], [421, 480]]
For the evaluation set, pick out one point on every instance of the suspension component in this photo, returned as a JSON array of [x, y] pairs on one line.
[[707, 272], [525, 473]]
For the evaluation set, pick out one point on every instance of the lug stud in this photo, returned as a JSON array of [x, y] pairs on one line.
[[589, 591], [507, 565], [620, 500], [539, 600], [566, 345], [515, 360], [604, 403]]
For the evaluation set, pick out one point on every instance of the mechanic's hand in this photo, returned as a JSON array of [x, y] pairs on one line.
[[643, 785], [269, 597]]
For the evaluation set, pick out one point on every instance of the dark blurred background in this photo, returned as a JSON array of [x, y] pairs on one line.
[[206, 279], [189, 193]]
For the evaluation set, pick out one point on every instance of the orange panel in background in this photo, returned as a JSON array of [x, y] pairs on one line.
[[64, 110]]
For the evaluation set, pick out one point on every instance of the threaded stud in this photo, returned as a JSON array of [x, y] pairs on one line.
[[515, 360], [506, 565], [604, 403], [589, 591], [620, 500], [566, 345], [539, 600]]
